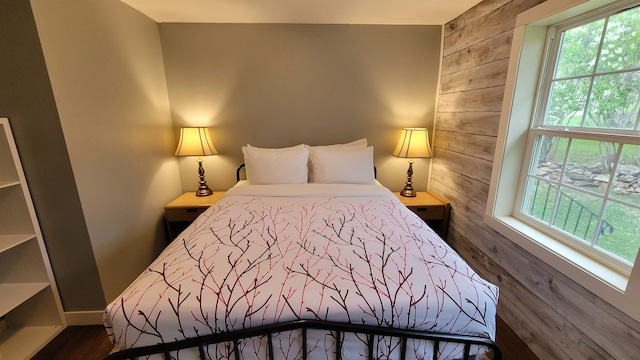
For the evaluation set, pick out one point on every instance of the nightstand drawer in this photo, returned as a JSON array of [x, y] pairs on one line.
[[431, 208], [187, 214], [429, 212], [184, 209]]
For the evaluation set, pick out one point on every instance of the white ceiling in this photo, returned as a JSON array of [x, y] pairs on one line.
[[387, 12]]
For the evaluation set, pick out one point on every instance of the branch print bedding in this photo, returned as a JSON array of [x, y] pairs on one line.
[[355, 256]]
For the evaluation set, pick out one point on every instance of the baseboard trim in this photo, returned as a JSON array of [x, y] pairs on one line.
[[82, 318]]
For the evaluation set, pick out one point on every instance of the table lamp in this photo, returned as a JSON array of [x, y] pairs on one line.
[[413, 143], [196, 141]]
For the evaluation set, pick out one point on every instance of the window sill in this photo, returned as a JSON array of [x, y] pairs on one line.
[[586, 271]]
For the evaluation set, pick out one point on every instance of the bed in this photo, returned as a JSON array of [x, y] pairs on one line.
[[288, 269]]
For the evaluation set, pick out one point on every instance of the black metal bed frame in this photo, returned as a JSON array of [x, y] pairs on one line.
[[338, 329]]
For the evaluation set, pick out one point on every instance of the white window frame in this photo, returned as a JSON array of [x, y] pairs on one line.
[[619, 288]]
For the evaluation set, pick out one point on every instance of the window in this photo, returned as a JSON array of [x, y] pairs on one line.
[[566, 174], [582, 184]]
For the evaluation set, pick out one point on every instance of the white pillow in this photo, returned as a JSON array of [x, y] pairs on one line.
[[342, 165], [358, 144], [276, 166]]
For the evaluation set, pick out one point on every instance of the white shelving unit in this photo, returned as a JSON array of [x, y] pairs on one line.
[[30, 309]]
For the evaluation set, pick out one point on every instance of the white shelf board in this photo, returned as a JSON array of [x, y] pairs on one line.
[[6, 184], [12, 295], [9, 241], [25, 342]]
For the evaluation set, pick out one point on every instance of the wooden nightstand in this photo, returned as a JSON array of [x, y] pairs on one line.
[[181, 212], [431, 208]]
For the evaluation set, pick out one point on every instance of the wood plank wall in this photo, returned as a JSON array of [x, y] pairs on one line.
[[556, 318]]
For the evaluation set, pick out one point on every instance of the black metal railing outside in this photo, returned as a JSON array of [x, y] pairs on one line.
[[576, 213]]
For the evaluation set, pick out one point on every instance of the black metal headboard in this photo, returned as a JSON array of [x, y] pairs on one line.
[[239, 170]]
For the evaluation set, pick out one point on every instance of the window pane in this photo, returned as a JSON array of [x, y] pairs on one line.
[[621, 47], [567, 102], [548, 157], [589, 164], [620, 231], [626, 184], [614, 101], [577, 213], [578, 50], [539, 199]]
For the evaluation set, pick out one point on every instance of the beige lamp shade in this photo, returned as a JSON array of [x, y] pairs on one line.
[[413, 143], [195, 141]]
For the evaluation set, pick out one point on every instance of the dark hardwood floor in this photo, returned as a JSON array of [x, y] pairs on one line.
[[77, 343], [511, 346], [92, 343]]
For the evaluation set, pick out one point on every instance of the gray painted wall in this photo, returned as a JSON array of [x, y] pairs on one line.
[[27, 100], [107, 75], [276, 85]]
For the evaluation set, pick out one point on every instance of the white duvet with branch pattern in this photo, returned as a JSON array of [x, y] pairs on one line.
[[251, 261]]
